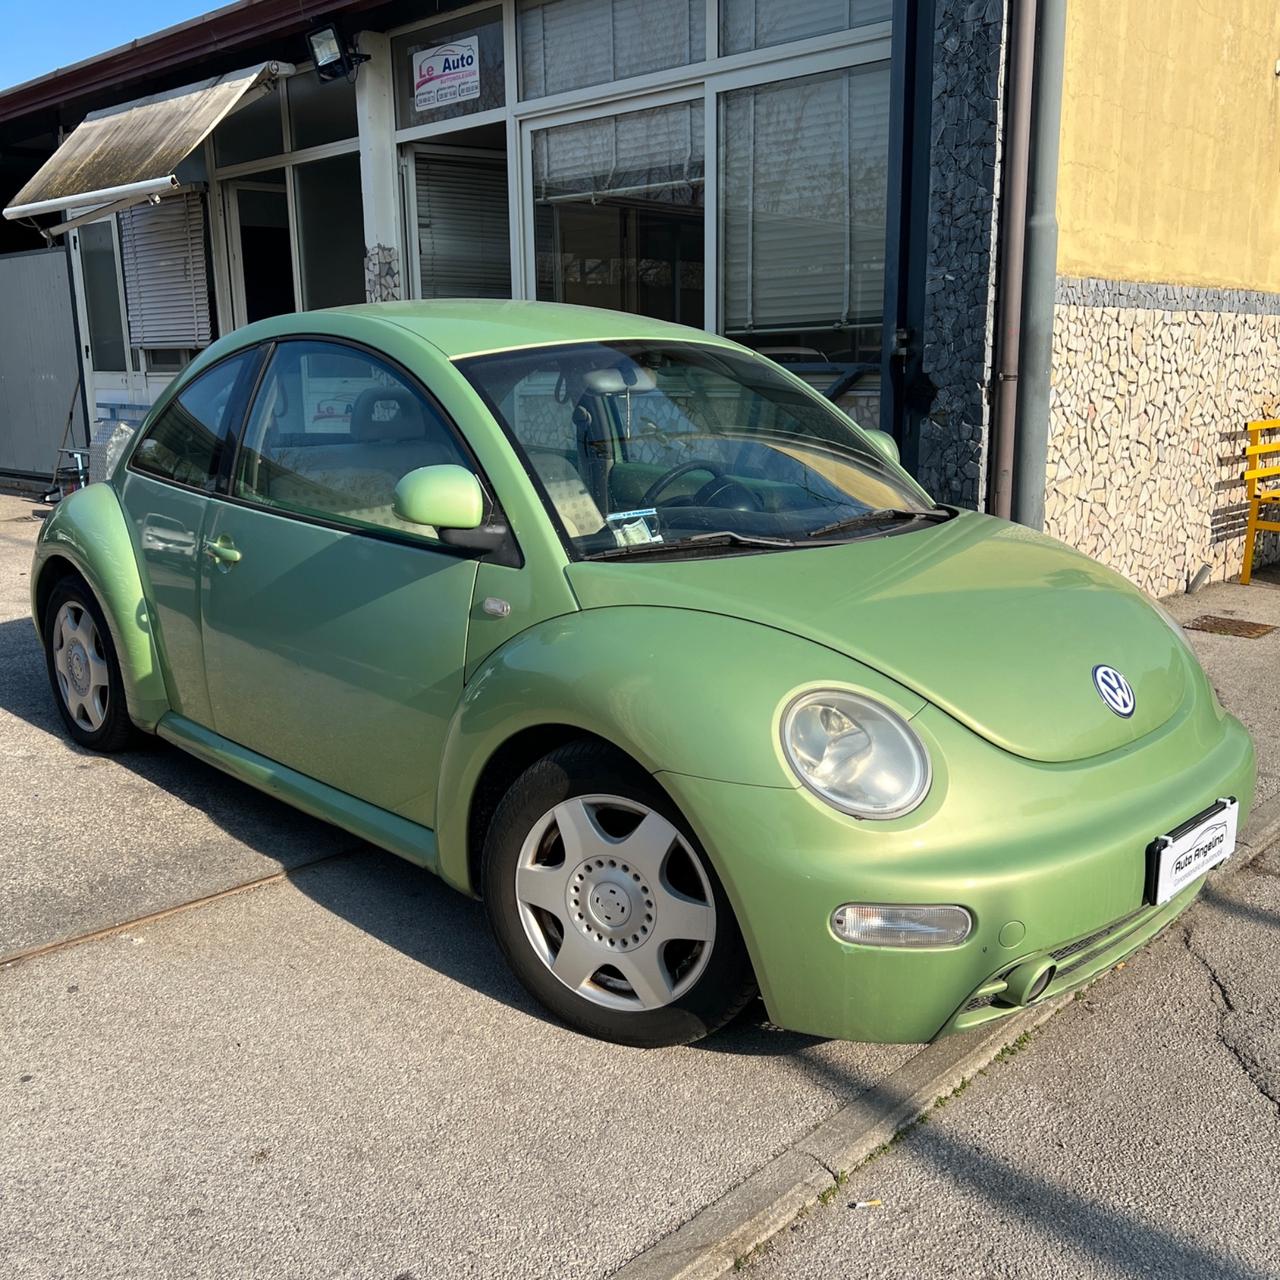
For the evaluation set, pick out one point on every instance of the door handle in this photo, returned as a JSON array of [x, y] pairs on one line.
[[222, 552]]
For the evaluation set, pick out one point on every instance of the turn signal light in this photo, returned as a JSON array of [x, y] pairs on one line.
[[879, 925]]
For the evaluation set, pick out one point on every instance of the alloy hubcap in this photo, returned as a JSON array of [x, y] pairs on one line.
[[80, 664], [615, 902], [610, 903]]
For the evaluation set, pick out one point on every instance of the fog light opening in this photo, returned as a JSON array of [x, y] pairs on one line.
[[872, 924]]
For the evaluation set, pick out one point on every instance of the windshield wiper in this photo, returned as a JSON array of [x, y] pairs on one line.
[[718, 538], [882, 515]]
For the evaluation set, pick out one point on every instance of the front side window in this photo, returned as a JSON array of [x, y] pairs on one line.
[[186, 441], [641, 446], [331, 432]]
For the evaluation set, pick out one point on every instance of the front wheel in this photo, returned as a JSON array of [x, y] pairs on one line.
[[605, 906]]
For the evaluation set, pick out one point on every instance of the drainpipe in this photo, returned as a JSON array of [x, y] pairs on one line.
[[1040, 272], [1020, 92]]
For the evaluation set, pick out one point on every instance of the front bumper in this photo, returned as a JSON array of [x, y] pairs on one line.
[[1047, 857]]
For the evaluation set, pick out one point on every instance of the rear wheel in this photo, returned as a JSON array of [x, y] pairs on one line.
[[607, 908], [84, 670]]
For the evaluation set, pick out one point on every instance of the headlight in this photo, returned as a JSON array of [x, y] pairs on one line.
[[856, 754]]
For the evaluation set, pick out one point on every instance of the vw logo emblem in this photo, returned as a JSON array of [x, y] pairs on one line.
[[1114, 690]]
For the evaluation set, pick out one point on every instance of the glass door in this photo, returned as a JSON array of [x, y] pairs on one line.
[[115, 385], [261, 247]]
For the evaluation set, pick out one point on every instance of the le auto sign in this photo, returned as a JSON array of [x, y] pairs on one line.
[[446, 74]]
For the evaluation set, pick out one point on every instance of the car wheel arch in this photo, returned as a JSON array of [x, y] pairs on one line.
[[54, 570], [87, 536], [501, 769]]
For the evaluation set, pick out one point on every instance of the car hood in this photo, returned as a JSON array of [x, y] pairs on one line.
[[999, 626]]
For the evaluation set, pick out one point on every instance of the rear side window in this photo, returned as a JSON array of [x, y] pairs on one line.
[[186, 440], [332, 430]]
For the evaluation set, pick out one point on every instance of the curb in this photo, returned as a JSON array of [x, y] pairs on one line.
[[746, 1217]]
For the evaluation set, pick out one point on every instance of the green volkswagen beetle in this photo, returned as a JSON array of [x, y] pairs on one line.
[[624, 629]]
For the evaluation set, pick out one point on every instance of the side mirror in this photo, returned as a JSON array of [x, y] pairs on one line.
[[449, 499], [445, 497], [883, 443]]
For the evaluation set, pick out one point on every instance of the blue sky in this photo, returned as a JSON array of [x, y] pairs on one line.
[[40, 36]]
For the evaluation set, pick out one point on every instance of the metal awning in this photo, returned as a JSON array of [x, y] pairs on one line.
[[127, 154]]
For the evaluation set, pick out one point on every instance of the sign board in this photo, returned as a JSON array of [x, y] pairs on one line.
[[447, 74]]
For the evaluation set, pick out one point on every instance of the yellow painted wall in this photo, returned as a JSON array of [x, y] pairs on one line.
[[1170, 165]]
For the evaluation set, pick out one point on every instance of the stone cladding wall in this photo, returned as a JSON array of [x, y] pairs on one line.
[[964, 192], [1152, 387]]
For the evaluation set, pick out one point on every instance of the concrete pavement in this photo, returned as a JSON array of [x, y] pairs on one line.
[[92, 840], [333, 1075]]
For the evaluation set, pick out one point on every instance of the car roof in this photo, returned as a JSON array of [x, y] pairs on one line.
[[474, 326]]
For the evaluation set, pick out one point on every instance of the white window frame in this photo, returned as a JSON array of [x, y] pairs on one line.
[[707, 79], [229, 284]]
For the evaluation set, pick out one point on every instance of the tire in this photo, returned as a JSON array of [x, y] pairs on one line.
[[84, 671], [606, 906]]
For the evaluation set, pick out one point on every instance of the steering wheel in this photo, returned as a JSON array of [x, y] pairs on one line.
[[718, 484]]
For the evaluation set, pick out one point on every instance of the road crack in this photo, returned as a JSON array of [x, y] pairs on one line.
[[1226, 1007]]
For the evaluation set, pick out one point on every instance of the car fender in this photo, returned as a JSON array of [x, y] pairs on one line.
[[88, 530], [679, 690]]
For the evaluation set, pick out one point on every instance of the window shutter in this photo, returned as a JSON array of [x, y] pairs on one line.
[[165, 282], [758, 24], [464, 243], [568, 44], [804, 217]]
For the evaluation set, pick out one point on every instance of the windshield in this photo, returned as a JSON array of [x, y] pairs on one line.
[[640, 446]]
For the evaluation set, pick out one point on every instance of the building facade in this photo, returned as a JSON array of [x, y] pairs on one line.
[[841, 184]]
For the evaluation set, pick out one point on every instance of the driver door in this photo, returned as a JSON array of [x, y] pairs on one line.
[[334, 633]]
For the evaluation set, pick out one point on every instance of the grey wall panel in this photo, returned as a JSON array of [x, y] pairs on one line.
[[38, 364]]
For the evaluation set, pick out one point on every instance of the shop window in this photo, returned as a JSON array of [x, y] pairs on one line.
[[102, 296], [464, 237], [449, 69], [618, 212], [330, 218], [569, 44], [758, 24], [320, 111], [251, 133], [803, 179]]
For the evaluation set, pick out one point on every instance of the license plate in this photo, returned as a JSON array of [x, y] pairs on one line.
[[1197, 846]]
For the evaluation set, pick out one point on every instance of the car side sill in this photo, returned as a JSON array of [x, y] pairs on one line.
[[387, 830]]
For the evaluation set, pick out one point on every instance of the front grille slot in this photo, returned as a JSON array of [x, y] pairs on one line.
[[1091, 940]]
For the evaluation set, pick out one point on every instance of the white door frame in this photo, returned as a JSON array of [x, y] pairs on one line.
[[229, 190], [129, 380]]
